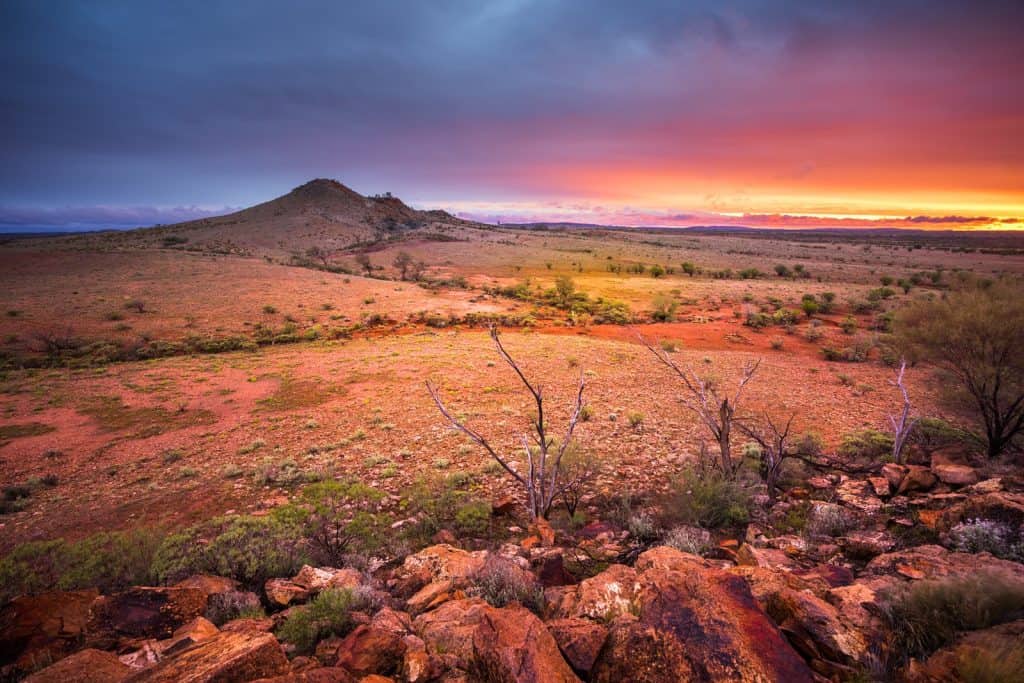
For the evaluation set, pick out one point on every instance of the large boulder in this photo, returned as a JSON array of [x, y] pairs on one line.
[[1007, 508], [225, 658], [85, 666], [35, 629], [953, 473], [511, 644], [692, 622], [143, 612], [917, 478]]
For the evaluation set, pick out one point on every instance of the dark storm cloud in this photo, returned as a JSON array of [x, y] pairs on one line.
[[224, 102]]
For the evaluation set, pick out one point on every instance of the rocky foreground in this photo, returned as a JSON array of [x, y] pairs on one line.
[[766, 607]]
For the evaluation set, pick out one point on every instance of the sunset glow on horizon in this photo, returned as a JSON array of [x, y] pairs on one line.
[[783, 114]]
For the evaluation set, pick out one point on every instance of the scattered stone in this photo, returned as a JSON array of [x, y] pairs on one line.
[[881, 486]]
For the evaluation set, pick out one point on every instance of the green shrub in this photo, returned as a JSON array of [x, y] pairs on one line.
[[636, 419], [108, 561], [927, 615], [473, 518], [848, 325], [866, 444], [246, 548], [707, 498], [328, 614], [343, 518]]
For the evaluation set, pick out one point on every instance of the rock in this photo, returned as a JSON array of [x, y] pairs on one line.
[[143, 612], [551, 572], [503, 506], [264, 625], [227, 657], [918, 478], [820, 483], [864, 544], [859, 495], [818, 630], [894, 474], [209, 584], [437, 563], [953, 474], [995, 642], [284, 592], [580, 641], [935, 562], [763, 557], [370, 650], [85, 666], [694, 623], [1007, 508], [987, 486], [35, 629], [448, 631], [316, 579], [602, 597], [394, 621], [512, 644], [326, 674], [881, 486]]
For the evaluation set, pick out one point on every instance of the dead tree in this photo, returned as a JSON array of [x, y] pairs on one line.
[[544, 479], [902, 426], [773, 440], [716, 411]]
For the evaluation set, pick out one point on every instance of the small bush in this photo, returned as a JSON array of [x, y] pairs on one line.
[[1001, 664], [328, 614], [866, 444], [636, 419], [824, 519], [689, 539], [642, 527], [473, 518], [708, 499], [988, 536], [777, 344], [848, 325], [500, 582], [927, 615]]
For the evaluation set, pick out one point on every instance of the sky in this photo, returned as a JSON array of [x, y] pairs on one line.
[[641, 112]]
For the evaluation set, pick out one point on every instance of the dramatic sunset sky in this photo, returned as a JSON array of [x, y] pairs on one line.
[[763, 113]]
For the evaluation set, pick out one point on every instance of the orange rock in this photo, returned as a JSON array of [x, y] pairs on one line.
[[85, 666]]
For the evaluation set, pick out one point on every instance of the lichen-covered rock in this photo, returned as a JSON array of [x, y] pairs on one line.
[[602, 597], [935, 562]]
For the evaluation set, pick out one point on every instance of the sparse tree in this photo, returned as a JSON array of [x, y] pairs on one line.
[[903, 425], [403, 261], [689, 268], [772, 439], [716, 411], [363, 259], [975, 335], [565, 288], [319, 254], [545, 479], [417, 270]]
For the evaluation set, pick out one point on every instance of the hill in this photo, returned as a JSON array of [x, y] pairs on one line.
[[322, 213]]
